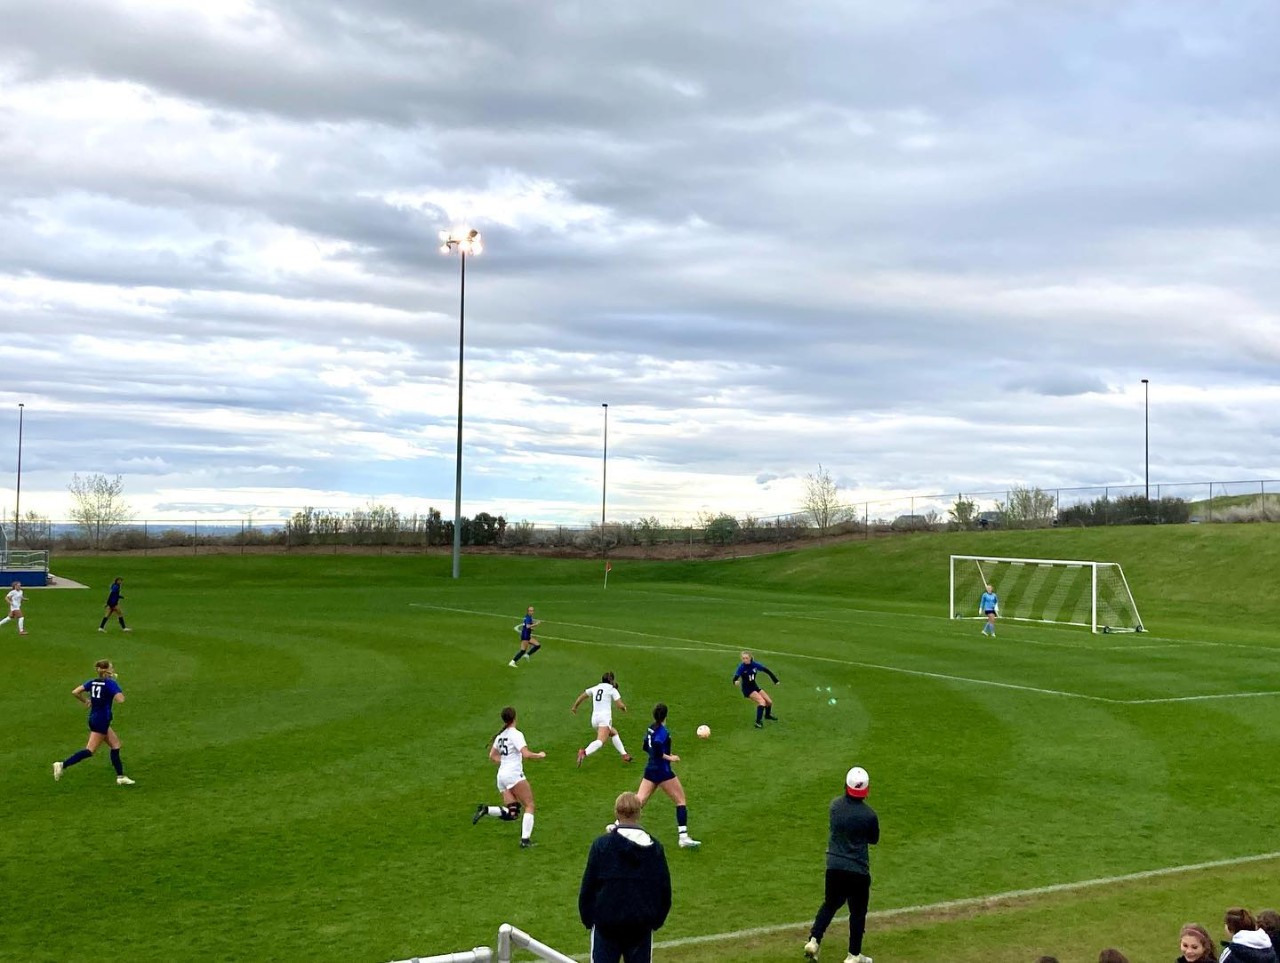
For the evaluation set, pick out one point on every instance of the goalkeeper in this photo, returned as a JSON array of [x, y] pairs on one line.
[[989, 606]]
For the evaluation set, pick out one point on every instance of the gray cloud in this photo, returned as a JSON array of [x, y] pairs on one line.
[[768, 237]]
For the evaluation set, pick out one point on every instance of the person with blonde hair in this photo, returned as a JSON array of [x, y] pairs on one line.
[[1196, 945], [626, 888], [745, 678], [100, 695]]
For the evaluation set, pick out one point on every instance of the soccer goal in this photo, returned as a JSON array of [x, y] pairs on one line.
[[1092, 594]]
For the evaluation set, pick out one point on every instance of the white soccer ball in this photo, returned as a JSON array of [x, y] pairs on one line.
[[704, 732]]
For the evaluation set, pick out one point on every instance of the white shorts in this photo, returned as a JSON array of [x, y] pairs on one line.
[[507, 780], [601, 719]]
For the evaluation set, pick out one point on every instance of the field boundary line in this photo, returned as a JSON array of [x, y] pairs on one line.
[[923, 673], [979, 901]]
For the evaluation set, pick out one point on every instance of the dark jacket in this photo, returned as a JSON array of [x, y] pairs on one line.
[[1248, 946], [626, 885], [854, 827]]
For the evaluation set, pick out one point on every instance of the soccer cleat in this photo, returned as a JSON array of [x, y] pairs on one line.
[[514, 664], [479, 813], [126, 629], [626, 757], [57, 771], [124, 781], [582, 754], [772, 718], [23, 632], [857, 958], [688, 842], [101, 629], [527, 844], [811, 949], [759, 725]]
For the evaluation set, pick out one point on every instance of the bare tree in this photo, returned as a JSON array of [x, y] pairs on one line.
[[822, 500], [964, 513], [99, 507], [1029, 508]]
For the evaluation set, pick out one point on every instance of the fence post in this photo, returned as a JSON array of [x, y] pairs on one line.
[[866, 521], [195, 537], [146, 540], [1210, 501], [1264, 501]]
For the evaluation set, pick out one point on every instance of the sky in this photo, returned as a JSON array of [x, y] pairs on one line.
[[921, 246]]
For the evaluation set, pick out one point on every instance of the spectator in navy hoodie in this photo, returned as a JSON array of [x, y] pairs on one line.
[[626, 888], [1248, 943]]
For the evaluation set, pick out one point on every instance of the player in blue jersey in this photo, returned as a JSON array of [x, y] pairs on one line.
[[658, 773], [100, 695], [989, 605], [112, 607], [528, 643], [745, 677]]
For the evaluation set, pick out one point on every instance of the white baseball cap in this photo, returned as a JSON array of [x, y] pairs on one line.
[[857, 782]]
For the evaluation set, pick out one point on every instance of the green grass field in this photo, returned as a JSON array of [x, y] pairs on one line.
[[309, 739]]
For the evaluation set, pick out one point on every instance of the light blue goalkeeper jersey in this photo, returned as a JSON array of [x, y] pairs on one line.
[[990, 602]]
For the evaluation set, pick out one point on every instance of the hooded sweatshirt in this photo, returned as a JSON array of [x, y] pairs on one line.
[[626, 885], [1248, 946]]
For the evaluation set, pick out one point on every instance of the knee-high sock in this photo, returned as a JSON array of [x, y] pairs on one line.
[[595, 744], [75, 757], [682, 819], [526, 826], [759, 713], [115, 761], [617, 744]]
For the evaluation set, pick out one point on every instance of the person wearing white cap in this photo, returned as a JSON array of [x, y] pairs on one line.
[[854, 827]]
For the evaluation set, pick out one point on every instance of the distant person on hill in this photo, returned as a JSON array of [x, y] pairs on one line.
[[602, 697], [112, 606], [509, 751], [100, 695], [626, 888], [528, 643], [989, 605], [745, 676], [1196, 945], [14, 598], [1269, 923], [1248, 944], [854, 827]]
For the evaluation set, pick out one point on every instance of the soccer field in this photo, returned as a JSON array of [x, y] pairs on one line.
[[309, 737]]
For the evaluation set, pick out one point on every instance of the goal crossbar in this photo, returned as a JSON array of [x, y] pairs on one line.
[[1080, 592]]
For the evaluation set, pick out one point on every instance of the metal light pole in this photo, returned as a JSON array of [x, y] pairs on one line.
[[604, 481], [17, 505], [1146, 439], [465, 241]]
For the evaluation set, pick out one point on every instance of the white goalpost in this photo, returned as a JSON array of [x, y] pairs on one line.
[[1057, 591]]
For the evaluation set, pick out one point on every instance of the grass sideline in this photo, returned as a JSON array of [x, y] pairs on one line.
[[309, 736]]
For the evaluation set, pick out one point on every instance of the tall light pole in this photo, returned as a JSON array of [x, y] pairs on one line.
[[465, 241], [1146, 440], [604, 481], [17, 505]]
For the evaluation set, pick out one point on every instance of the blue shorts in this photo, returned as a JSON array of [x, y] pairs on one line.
[[746, 693], [99, 723], [989, 612], [658, 776], [526, 635]]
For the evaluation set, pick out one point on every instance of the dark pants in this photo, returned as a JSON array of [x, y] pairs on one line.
[[621, 946], [845, 887]]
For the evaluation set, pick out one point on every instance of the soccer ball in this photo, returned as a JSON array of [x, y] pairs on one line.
[[704, 732]]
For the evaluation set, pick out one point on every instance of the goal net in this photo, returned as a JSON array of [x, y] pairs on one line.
[[1092, 594]]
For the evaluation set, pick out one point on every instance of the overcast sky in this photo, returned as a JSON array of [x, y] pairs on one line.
[[931, 246]]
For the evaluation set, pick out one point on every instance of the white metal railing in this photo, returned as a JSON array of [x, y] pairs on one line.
[[24, 561], [481, 954], [509, 938]]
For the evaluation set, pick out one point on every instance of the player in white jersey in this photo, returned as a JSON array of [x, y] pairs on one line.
[[602, 697], [509, 751], [14, 598]]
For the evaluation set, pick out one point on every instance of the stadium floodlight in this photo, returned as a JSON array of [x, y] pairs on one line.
[[1056, 591], [465, 241], [17, 504]]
